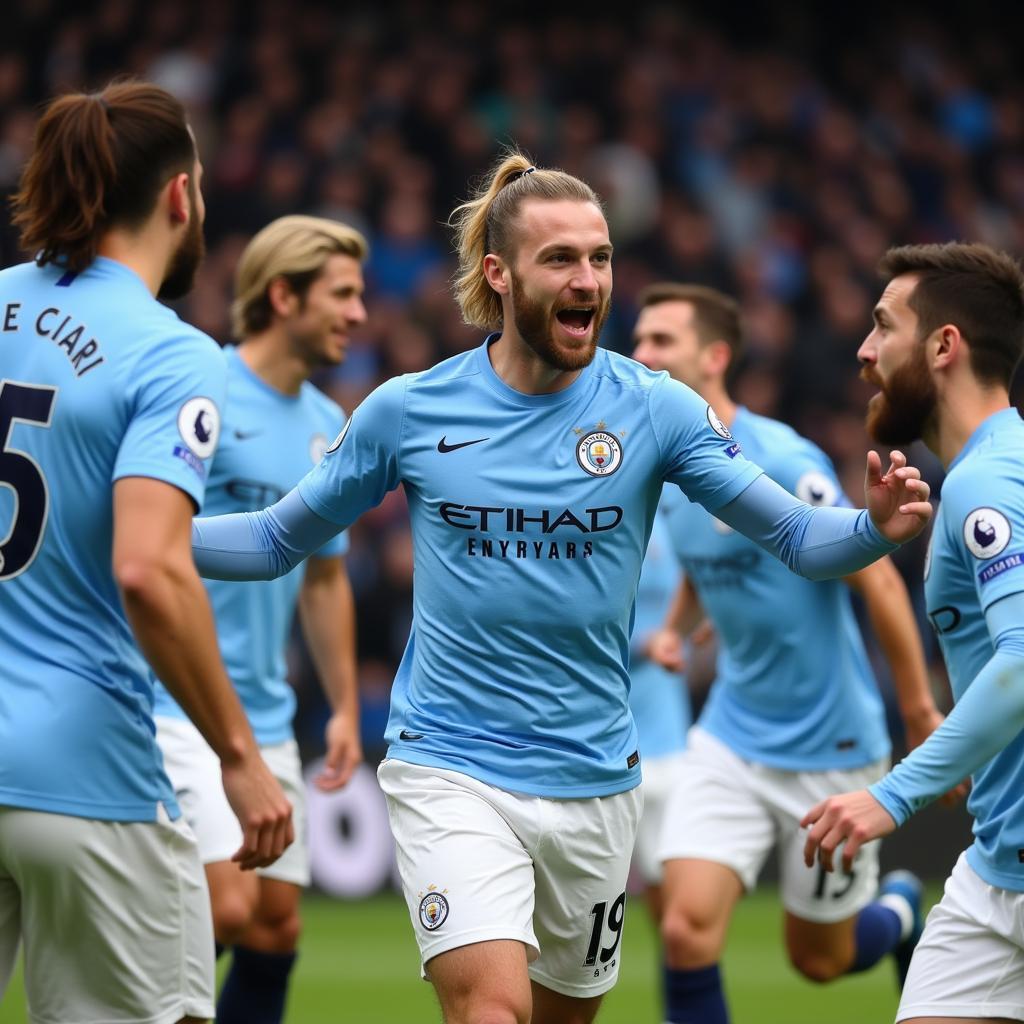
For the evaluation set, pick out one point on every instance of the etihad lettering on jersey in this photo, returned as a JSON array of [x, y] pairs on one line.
[[486, 518], [483, 519], [65, 333]]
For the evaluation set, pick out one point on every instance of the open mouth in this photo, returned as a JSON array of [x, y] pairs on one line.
[[576, 320]]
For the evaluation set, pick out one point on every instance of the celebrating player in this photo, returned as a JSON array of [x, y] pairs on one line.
[[108, 417], [533, 466], [794, 707], [948, 334], [299, 295]]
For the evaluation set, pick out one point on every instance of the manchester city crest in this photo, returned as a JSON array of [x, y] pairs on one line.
[[433, 911], [599, 453]]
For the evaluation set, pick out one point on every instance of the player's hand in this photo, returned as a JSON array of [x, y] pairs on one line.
[[897, 499], [665, 648], [344, 752], [852, 819], [262, 810]]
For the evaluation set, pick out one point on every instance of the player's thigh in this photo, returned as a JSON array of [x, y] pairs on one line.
[[813, 894], [10, 924], [194, 771], [970, 960], [285, 765], [466, 874], [715, 813], [484, 980], [234, 895], [581, 870], [662, 776], [118, 912]]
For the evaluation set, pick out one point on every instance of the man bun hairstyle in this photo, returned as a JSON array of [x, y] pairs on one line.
[[294, 248], [978, 289], [484, 224], [98, 160], [716, 316]]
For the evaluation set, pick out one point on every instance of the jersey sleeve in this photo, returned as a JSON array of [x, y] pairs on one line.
[[698, 452], [176, 399], [336, 421], [986, 521], [362, 464]]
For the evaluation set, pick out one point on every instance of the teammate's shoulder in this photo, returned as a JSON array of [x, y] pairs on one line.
[[625, 370], [464, 364], [319, 400]]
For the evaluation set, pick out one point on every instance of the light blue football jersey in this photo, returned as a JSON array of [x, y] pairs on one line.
[[976, 557], [99, 382], [658, 698], [794, 688], [530, 515], [269, 442]]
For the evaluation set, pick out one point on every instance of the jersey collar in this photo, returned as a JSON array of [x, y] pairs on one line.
[[985, 429]]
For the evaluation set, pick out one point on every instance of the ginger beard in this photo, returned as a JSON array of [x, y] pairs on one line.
[[533, 320], [900, 412]]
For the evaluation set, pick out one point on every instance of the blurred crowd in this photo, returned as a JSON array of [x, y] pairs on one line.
[[774, 154]]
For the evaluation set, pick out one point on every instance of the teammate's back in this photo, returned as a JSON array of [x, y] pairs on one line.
[[88, 386]]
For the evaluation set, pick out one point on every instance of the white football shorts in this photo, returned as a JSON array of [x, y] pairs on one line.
[[114, 916], [194, 771], [480, 863], [733, 812], [970, 960], [662, 776]]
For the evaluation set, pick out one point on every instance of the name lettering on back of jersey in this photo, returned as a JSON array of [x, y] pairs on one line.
[[83, 351], [986, 532]]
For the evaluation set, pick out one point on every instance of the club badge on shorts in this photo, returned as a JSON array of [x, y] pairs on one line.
[[433, 910], [599, 452]]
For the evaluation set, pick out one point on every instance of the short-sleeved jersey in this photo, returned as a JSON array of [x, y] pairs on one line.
[[269, 442], [658, 698], [99, 382], [976, 557], [793, 686], [530, 515]]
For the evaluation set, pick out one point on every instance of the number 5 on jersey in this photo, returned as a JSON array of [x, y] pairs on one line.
[[32, 404]]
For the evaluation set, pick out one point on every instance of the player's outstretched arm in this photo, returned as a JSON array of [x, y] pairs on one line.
[[986, 718], [170, 616], [327, 611], [897, 499], [259, 545]]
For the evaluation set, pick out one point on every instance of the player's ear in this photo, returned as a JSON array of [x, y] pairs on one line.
[[497, 274], [717, 356], [282, 298], [945, 342], [179, 202]]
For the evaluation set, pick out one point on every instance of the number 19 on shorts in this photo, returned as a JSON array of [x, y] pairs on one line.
[[600, 956]]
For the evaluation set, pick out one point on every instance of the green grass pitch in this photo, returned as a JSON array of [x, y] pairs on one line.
[[358, 965]]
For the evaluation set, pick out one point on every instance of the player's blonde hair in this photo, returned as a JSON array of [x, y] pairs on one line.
[[295, 248], [485, 224]]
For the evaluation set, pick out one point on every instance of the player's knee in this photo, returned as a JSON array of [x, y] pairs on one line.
[[232, 914], [816, 964], [689, 937], [490, 1012], [285, 929]]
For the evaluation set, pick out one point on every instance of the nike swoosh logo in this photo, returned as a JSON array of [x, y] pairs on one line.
[[406, 735], [244, 435], [443, 447]]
